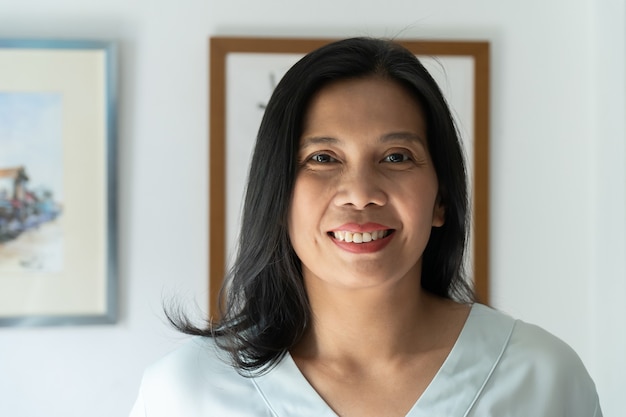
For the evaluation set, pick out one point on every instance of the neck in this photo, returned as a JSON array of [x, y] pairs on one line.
[[363, 325]]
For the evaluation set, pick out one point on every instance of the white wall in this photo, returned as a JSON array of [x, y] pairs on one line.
[[608, 277], [557, 187]]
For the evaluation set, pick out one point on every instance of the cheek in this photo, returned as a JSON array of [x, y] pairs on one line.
[[307, 191], [300, 207], [307, 209], [422, 206], [439, 215]]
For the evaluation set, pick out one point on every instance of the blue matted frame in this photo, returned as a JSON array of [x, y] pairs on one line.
[[107, 312]]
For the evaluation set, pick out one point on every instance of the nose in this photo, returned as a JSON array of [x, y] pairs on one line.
[[360, 188]]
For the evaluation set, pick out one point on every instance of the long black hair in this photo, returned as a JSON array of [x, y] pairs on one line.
[[265, 309]]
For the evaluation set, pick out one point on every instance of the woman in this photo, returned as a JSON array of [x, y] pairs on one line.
[[347, 297]]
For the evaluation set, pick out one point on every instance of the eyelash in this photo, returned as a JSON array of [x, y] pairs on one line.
[[403, 157], [324, 158], [316, 158]]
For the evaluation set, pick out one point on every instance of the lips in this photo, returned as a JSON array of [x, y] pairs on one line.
[[360, 237]]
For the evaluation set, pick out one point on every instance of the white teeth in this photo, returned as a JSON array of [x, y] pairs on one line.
[[355, 237]]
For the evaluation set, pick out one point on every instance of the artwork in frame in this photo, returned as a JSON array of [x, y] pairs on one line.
[[58, 217], [243, 73]]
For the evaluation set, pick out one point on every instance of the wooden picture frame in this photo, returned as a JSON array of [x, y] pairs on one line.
[[58, 182], [239, 69]]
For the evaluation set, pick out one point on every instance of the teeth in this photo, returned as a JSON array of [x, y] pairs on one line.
[[355, 237]]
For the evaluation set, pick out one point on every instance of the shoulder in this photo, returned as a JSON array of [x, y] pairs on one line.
[[540, 371], [193, 379], [549, 356], [190, 363], [526, 340], [198, 365]]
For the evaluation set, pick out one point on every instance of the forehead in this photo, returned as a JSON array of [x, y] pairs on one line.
[[363, 104]]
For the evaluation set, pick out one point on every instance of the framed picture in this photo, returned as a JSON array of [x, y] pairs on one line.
[[58, 221], [243, 73]]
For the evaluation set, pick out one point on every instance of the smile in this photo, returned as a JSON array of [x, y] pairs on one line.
[[357, 237]]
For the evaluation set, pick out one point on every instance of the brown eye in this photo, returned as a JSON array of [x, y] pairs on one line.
[[322, 158], [396, 157]]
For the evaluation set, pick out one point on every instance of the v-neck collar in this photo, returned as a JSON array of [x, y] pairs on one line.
[[452, 392]]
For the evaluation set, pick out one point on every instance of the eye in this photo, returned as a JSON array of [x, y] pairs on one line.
[[322, 158], [396, 157]]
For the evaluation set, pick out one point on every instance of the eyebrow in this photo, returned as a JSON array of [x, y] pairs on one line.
[[404, 137], [388, 137], [317, 140]]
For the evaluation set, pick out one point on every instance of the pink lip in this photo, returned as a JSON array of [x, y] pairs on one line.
[[368, 247], [360, 228]]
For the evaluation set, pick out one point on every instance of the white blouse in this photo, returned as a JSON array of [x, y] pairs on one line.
[[498, 367]]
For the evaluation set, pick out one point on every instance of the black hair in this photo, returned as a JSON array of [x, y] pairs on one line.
[[265, 308]]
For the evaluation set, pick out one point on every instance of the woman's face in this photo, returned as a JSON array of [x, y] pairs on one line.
[[365, 194]]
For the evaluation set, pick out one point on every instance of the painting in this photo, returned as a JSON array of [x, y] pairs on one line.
[[243, 74], [58, 263]]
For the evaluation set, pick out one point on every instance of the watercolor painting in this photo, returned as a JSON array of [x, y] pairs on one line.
[[58, 182], [31, 182]]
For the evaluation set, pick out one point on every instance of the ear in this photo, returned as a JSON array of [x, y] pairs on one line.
[[439, 214]]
